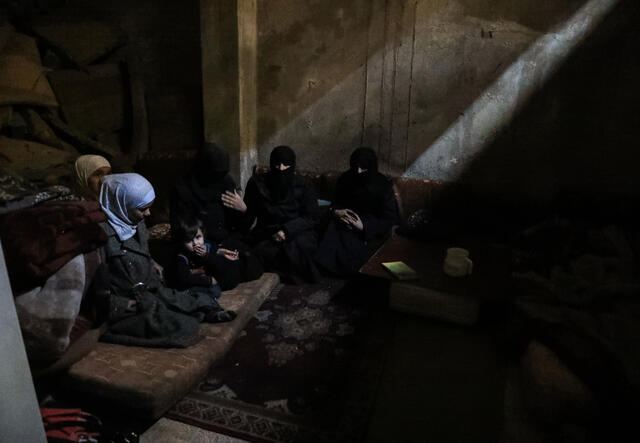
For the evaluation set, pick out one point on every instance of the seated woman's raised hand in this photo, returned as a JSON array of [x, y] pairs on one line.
[[233, 199], [228, 254], [353, 220], [341, 216], [349, 218], [279, 236]]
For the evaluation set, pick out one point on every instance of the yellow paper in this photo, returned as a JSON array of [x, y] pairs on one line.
[[400, 270]]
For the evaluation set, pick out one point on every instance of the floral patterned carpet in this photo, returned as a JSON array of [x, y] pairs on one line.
[[306, 368]]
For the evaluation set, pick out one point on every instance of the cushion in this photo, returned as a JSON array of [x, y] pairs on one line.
[[48, 313], [552, 392], [148, 381]]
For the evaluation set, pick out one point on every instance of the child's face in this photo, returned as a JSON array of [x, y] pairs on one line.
[[198, 240]]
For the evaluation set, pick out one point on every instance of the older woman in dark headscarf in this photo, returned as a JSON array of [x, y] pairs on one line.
[[363, 212], [285, 209], [208, 193], [129, 294]]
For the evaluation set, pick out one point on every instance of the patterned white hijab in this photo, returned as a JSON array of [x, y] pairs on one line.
[[119, 195]]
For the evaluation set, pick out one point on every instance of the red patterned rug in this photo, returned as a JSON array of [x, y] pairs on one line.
[[306, 368]]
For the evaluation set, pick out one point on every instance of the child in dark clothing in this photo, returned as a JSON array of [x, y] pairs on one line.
[[194, 263]]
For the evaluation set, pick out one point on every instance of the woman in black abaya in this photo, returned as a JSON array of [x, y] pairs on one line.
[[362, 215], [285, 208], [209, 194]]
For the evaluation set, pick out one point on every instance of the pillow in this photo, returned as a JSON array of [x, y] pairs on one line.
[[47, 313]]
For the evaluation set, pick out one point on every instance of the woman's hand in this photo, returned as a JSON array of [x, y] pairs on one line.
[[228, 254], [279, 236], [158, 268], [200, 250], [354, 220], [234, 201], [342, 215]]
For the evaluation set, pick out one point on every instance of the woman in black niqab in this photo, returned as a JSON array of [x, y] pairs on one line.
[[209, 194], [362, 215], [282, 166], [285, 209], [210, 175]]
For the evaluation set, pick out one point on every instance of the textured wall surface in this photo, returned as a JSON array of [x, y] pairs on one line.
[[442, 89], [229, 80], [573, 141], [312, 58], [164, 39], [533, 96], [391, 74]]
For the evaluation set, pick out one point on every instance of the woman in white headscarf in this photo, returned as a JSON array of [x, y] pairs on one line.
[[89, 171], [139, 309]]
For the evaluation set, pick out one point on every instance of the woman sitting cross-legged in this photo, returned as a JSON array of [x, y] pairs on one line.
[[285, 209], [362, 215], [128, 292], [208, 193]]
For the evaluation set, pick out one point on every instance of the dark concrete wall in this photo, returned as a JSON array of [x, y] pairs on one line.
[[391, 74], [441, 89], [311, 58], [406, 76], [164, 41], [574, 145], [229, 80]]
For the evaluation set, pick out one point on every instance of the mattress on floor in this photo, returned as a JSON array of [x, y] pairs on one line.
[[148, 381]]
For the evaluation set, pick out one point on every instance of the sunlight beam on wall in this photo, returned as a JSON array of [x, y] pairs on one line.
[[481, 122]]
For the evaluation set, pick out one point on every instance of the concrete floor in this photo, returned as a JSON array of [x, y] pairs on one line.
[[442, 383]]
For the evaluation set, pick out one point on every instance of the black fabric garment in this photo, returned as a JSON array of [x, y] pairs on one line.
[[190, 199], [184, 264], [280, 182], [189, 273], [296, 215], [231, 273], [161, 317], [199, 195], [364, 158], [227, 273], [342, 250], [282, 155], [211, 165]]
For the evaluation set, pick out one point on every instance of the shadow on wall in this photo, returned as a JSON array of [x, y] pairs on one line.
[[573, 147], [165, 40], [393, 75], [163, 48]]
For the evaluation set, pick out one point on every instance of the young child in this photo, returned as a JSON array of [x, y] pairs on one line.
[[193, 263]]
